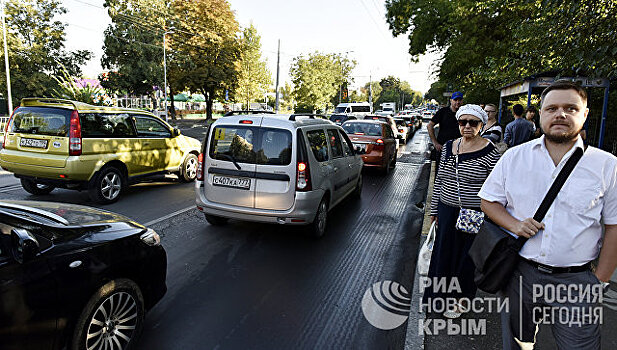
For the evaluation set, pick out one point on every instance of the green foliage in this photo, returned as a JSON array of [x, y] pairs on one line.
[[133, 46], [489, 43], [317, 79], [255, 78], [392, 89], [36, 48], [69, 89], [206, 50]]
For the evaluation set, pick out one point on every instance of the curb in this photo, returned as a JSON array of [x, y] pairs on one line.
[[413, 339]]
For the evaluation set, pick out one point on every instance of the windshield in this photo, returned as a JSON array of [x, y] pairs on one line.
[[41, 121], [340, 109], [369, 129]]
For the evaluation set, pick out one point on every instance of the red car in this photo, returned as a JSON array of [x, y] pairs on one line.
[[375, 141]]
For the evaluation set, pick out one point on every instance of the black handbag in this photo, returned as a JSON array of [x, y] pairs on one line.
[[495, 252]]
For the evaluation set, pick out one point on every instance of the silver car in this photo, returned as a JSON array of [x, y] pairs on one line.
[[286, 169]]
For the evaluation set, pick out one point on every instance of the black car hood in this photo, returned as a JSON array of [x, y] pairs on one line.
[[72, 214]]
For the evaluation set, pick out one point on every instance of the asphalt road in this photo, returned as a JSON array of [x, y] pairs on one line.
[[247, 285]]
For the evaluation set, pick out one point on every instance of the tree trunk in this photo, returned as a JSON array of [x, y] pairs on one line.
[[172, 108], [209, 102]]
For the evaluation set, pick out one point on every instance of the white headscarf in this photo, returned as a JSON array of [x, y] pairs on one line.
[[474, 110]]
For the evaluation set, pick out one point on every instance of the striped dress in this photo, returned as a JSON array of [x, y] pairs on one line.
[[450, 259]]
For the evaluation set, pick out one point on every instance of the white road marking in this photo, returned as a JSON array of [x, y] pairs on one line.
[[150, 223]]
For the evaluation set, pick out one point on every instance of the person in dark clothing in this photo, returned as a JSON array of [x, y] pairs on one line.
[[519, 130], [531, 114], [448, 126]]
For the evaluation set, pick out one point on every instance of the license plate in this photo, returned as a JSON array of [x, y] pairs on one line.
[[34, 143], [362, 146], [234, 182]]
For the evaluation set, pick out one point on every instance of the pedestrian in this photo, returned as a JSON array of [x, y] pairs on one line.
[[531, 114], [519, 130], [448, 127], [493, 130], [560, 249], [465, 164]]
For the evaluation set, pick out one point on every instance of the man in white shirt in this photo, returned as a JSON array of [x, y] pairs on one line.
[[553, 283]]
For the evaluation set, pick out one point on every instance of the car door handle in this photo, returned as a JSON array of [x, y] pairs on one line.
[[74, 264], [146, 143]]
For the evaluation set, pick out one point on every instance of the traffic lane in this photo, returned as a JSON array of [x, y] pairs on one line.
[[270, 286], [144, 202]]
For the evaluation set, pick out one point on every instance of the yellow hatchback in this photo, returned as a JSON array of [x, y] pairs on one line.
[[51, 143]]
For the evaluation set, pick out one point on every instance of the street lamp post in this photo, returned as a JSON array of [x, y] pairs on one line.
[[6, 62], [171, 30]]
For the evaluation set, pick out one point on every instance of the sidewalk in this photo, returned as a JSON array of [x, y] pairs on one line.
[[490, 337]]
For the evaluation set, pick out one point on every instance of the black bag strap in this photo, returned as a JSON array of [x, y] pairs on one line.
[[554, 190]]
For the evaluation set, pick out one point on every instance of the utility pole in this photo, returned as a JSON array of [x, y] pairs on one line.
[[278, 68], [6, 62]]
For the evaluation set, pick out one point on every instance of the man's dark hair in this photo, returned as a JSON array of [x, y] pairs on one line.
[[517, 109], [531, 109], [564, 84]]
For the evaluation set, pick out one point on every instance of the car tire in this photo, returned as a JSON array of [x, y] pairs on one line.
[[216, 220], [36, 188], [393, 162], [119, 306], [189, 169], [106, 185], [358, 190], [318, 227]]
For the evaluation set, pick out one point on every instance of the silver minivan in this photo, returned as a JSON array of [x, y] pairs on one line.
[[286, 169]]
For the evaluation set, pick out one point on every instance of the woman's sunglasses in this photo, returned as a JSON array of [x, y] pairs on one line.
[[472, 123]]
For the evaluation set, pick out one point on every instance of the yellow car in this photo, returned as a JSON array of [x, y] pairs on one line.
[[51, 143]]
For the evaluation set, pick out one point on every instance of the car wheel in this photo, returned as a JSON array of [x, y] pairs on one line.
[[189, 169], [112, 319], [318, 227], [215, 220], [106, 185], [393, 162], [34, 187], [358, 191]]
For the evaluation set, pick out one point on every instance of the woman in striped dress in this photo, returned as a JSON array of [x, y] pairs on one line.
[[476, 159]]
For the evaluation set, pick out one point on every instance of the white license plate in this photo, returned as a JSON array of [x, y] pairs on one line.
[[234, 182], [34, 143], [362, 146]]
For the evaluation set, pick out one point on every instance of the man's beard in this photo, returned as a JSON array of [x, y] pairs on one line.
[[563, 137]]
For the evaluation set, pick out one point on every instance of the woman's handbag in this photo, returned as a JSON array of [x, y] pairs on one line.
[[495, 252], [468, 220], [424, 257]]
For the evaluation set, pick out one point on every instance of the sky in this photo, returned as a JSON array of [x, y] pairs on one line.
[[356, 28]]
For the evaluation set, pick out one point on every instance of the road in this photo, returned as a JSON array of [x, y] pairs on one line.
[[247, 285]]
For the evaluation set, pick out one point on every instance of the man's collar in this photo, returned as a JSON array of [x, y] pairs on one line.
[[539, 142]]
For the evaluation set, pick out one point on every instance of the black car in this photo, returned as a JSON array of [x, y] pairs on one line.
[[75, 277], [339, 119]]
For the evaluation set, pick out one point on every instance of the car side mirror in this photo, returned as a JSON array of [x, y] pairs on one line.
[[24, 244], [175, 132]]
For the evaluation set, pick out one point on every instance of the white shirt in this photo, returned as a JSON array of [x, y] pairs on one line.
[[573, 229]]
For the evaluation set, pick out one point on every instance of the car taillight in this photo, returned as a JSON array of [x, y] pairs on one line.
[[303, 181], [75, 135], [377, 144], [6, 127], [200, 167]]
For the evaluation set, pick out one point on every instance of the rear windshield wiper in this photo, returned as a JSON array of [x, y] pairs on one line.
[[230, 157]]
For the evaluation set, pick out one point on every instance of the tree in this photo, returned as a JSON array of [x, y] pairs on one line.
[[206, 50], [36, 48], [484, 48], [317, 79], [392, 89], [255, 78], [133, 46]]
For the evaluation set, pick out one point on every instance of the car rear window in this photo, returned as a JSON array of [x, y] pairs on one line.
[[41, 121], [399, 122], [251, 145], [370, 129]]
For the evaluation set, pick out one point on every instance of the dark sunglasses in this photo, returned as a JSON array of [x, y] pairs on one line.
[[472, 123]]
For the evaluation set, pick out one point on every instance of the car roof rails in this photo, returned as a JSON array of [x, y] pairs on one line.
[[309, 115], [251, 111]]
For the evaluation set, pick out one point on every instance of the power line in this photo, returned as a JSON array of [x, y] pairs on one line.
[[373, 19]]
